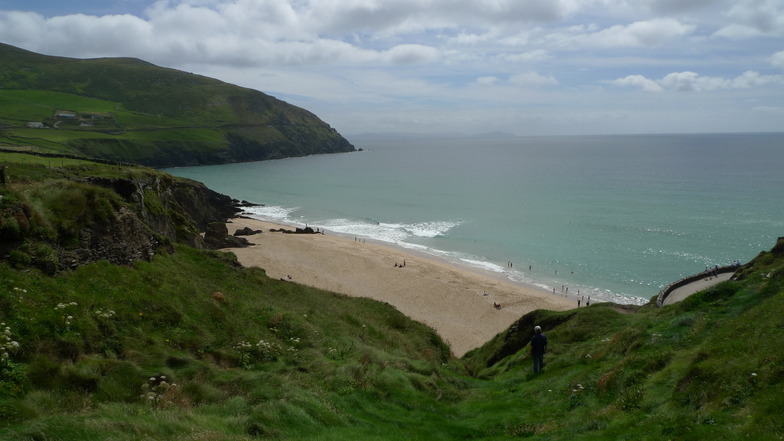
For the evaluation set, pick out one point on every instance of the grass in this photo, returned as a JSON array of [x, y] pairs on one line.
[[345, 368], [37, 105]]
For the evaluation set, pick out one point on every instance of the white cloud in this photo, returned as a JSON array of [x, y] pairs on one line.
[[638, 81], [692, 82], [641, 33], [410, 54], [777, 59]]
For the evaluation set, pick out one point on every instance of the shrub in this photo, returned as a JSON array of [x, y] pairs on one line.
[[19, 259], [9, 229]]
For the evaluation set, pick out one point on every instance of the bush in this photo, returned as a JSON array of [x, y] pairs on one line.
[[13, 377], [9, 229], [19, 259]]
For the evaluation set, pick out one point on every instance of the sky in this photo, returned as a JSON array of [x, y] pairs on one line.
[[524, 67]]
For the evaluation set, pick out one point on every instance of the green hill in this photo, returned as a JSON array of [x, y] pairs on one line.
[[182, 343], [128, 110]]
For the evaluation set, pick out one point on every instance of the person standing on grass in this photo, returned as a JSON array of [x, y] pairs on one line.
[[538, 348]]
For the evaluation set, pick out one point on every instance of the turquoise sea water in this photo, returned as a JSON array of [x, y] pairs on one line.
[[615, 217]]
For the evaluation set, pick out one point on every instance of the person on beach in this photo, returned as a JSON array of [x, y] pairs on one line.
[[538, 348]]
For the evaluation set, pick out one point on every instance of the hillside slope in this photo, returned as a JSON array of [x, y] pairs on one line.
[[130, 110]]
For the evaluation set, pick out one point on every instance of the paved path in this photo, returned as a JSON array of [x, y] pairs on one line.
[[694, 287]]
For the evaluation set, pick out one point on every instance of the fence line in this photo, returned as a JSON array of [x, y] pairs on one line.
[[693, 278]]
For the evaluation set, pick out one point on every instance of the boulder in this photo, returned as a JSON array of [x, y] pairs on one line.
[[247, 231], [217, 236]]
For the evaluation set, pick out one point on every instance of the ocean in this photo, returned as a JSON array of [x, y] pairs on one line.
[[613, 217]]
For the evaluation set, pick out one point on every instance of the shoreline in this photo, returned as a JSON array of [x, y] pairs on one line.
[[455, 300]]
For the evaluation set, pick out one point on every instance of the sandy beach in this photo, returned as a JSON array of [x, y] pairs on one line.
[[457, 302]]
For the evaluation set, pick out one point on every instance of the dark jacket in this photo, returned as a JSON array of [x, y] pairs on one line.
[[538, 344]]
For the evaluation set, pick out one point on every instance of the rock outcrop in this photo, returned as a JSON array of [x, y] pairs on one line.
[[140, 217], [217, 236]]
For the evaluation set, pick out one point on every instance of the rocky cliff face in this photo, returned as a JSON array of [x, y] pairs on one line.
[[152, 212]]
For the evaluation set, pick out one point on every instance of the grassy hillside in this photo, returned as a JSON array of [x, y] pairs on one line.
[[129, 110], [85, 352]]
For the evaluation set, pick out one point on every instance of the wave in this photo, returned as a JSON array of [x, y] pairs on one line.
[[405, 235], [398, 233], [270, 213]]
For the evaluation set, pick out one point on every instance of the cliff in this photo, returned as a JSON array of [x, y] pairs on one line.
[[57, 218]]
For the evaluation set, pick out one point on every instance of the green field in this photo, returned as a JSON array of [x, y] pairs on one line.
[[23, 106]]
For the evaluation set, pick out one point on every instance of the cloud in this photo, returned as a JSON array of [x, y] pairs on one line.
[[407, 16], [777, 59], [534, 79], [641, 33], [681, 6], [529, 56], [750, 18], [410, 54], [638, 81], [487, 81], [692, 82]]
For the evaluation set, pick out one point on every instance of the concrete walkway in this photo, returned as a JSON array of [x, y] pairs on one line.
[[681, 293]]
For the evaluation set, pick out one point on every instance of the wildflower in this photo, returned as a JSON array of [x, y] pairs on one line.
[[154, 390], [7, 345], [105, 314]]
